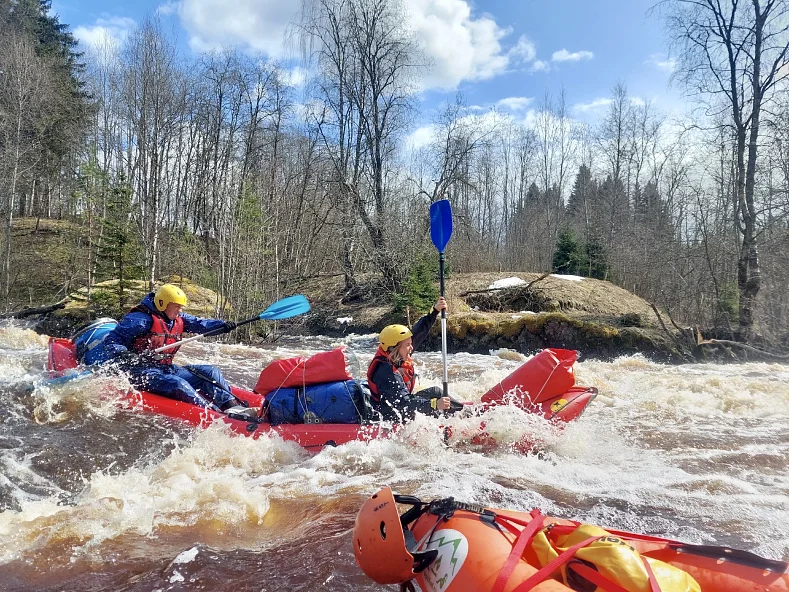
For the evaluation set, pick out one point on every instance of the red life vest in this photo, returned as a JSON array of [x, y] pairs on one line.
[[159, 336], [406, 370]]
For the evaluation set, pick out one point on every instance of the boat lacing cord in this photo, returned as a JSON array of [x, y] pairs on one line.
[[267, 404], [580, 567]]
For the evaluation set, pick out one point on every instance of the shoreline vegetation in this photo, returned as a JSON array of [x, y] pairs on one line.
[[522, 311]]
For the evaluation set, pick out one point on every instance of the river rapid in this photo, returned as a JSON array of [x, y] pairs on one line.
[[94, 497]]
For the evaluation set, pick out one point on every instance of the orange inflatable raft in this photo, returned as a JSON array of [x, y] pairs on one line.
[[449, 546]]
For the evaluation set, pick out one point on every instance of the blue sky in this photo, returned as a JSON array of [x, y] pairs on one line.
[[504, 53]]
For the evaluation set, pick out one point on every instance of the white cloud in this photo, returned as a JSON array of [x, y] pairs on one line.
[[459, 45], [565, 56], [662, 62], [637, 101], [514, 103], [108, 30], [540, 66], [421, 137], [169, 7], [523, 51], [592, 106], [257, 24], [295, 76]]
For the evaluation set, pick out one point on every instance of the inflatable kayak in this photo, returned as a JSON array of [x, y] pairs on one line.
[[315, 402], [449, 546], [62, 359]]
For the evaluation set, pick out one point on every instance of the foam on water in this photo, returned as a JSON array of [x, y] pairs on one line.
[[697, 452]]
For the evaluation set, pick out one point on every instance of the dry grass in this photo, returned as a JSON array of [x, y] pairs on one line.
[[589, 298]]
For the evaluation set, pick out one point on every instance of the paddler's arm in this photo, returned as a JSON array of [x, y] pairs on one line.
[[193, 324], [395, 395], [119, 340], [421, 328]]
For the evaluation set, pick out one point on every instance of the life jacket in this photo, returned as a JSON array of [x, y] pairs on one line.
[[406, 370], [159, 335]]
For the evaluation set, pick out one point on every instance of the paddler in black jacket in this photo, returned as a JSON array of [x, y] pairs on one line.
[[391, 375]]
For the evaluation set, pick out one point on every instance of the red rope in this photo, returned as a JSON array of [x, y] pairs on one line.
[[525, 536]]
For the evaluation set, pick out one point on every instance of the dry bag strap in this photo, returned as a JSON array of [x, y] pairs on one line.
[[653, 584], [545, 572], [524, 538], [596, 578], [601, 581]]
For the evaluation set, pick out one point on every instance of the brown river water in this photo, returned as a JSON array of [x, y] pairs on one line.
[[94, 497]]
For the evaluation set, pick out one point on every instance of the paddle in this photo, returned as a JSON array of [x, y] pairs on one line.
[[282, 309], [440, 232], [202, 375]]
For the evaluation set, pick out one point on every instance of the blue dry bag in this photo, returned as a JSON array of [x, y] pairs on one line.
[[88, 341], [330, 402]]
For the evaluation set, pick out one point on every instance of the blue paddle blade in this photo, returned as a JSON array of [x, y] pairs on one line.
[[71, 376], [440, 223], [286, 308]]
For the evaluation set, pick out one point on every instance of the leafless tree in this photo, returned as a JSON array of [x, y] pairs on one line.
[[733, 56], [24, 92]]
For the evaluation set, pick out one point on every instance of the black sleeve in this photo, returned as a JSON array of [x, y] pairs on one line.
[[396, 403], [421, 328]]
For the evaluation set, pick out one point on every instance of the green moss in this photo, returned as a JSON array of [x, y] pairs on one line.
[[599, 331], [511, 328]]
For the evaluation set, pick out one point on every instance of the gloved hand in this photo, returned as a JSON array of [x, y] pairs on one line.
[[229, 326]]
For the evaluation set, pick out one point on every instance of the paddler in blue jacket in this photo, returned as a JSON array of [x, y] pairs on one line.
[[158, 321], [391, 376]]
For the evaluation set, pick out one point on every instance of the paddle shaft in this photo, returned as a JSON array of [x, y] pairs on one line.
[[282, 309], [440, 233], [445, 380]]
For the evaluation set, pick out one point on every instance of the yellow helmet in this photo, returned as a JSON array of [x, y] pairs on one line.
[[393, 334], [166, 294]]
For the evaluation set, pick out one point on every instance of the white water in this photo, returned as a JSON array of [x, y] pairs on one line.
[[695, 452]]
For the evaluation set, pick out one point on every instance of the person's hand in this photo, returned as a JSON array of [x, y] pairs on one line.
[[229, 326], [441, 304], [442, 403]]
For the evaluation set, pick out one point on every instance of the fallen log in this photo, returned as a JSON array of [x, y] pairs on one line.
[[30, 311], [744, 346]]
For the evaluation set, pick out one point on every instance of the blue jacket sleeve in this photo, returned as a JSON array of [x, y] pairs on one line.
[[193, 324], [130, 327]]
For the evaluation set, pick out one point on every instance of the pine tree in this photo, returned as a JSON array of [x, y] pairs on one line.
[[596, 258], [419, 291], [568, 258], [119, 254], [67, 115], [581, 199]]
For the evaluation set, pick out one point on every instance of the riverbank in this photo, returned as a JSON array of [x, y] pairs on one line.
[[521, 311]]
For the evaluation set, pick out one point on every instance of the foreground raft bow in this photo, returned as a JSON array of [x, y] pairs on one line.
[[449, 546], [315, 401]]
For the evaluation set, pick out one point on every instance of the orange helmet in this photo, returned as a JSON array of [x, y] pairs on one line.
[[379, 542]]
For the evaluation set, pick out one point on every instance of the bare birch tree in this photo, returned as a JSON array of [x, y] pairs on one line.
[[24, 91], [733, 57]]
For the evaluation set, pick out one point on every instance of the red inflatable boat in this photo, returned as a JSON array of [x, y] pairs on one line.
[[545, 384], [449, 546]]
